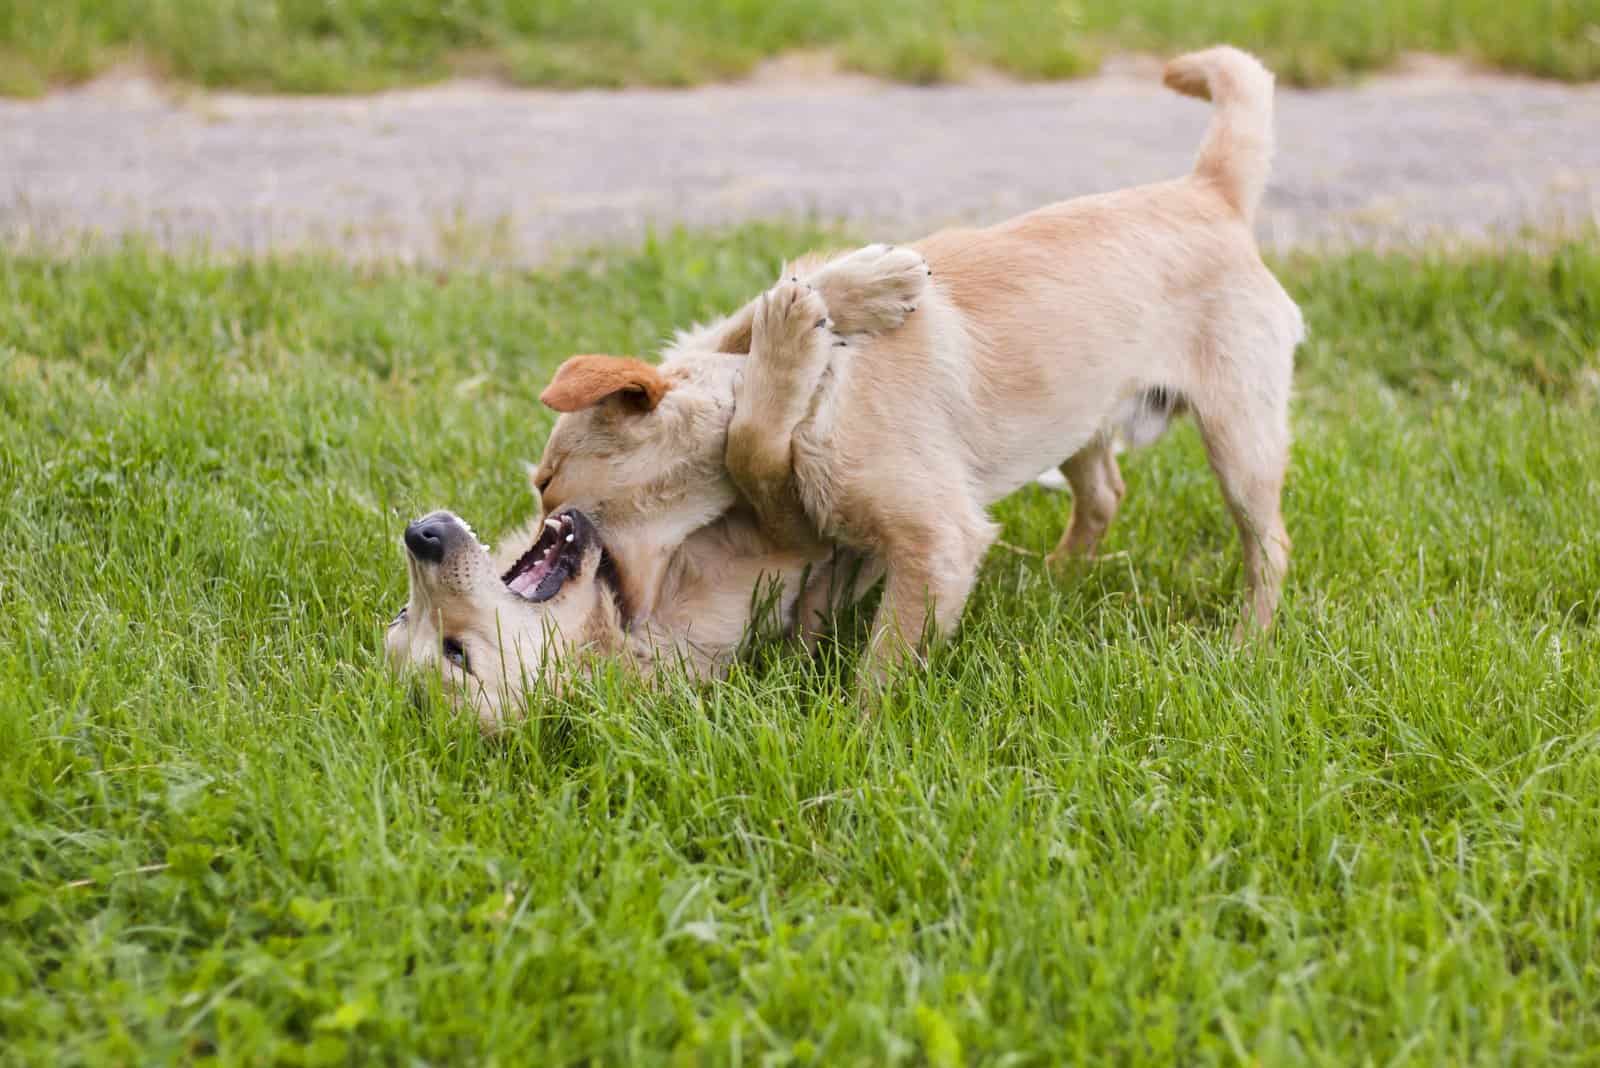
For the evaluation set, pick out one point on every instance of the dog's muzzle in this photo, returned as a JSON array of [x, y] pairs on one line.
[[432, 536]]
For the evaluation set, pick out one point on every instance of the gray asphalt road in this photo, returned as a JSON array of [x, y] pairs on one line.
[[520, 174]]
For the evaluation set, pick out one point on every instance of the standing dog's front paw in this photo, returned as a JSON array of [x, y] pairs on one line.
[[791, 350], [791, 317], [873, 289]]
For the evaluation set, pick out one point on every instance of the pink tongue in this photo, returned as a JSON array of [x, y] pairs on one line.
[[524, 583]]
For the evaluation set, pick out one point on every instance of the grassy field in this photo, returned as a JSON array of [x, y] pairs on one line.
[[343, 45], [1093, 829]]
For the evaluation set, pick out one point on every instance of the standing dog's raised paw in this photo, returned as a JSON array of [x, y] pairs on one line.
[[790, 318], [873, 289], [791, 350]]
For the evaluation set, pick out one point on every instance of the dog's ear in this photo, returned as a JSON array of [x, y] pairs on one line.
[[584, 381]]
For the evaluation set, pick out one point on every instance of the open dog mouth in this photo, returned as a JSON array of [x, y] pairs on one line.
[[556, 556]]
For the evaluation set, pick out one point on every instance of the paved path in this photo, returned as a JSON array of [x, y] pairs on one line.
[[523, 174]]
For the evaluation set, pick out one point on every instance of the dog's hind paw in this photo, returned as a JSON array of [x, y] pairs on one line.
[[873, 289]]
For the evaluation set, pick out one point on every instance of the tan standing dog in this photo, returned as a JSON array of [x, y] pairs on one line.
[[1042, 340]]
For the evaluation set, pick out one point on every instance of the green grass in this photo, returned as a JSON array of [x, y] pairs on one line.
[[1093, 829], [345, 45]]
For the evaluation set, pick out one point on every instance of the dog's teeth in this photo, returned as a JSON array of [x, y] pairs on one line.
[[473, 534], [553, 524], [571, 536]]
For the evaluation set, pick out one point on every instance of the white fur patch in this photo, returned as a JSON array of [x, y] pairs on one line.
[[1052, 479]]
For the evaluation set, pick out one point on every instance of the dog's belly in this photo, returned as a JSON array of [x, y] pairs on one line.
[[1057, 404], [1019, 452], [925, 416]]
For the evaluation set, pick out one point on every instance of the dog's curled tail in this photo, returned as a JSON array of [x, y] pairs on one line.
[[1237, 151]]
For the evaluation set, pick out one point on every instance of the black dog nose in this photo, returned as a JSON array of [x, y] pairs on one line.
[[427, 537]]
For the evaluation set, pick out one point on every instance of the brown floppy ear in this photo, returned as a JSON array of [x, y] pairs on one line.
[[584, 381]]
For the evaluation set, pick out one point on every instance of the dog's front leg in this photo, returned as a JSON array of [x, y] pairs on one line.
[[931, 568], [790, 350]]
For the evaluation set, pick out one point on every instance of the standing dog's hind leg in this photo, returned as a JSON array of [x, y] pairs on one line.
[[1246, 434], [1097, 490]]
